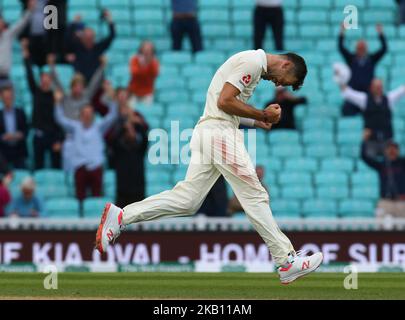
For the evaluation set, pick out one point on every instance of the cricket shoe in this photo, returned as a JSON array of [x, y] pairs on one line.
[[110, 227], [298, 266]]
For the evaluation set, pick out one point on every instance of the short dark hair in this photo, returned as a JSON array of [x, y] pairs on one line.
[[300, 68]]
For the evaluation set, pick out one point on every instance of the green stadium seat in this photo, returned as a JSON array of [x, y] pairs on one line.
[[301, 165], [294, 178], [356, 208], [334, 178], [337, 164], [93, 207], [62, 208], [320, 151], [319, 208], [332, 192], [285, 208], [298, 192]]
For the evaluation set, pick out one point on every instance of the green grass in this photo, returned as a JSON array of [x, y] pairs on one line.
[[200, 286]]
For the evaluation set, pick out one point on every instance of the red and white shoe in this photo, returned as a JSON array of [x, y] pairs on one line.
[[110, 227], [299, 266]]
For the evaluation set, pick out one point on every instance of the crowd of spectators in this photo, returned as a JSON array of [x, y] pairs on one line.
[[93, 125]]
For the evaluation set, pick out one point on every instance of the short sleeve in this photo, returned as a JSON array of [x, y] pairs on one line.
[[244, 73]]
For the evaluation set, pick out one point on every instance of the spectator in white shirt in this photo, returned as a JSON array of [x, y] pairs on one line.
[[376, 107]]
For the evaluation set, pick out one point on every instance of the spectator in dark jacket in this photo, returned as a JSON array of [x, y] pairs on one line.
[[129, 140], [13, 131], [362, 66], [86, 53], [287, 103], [391, 171], [185, 22], [376, 108], [48, 136]]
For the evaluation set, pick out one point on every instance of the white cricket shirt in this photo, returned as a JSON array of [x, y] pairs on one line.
[[244, 71]]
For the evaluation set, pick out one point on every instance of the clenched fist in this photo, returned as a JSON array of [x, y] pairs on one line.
[[272, 113]]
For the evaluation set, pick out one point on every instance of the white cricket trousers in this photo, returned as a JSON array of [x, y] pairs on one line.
[[217, 147]]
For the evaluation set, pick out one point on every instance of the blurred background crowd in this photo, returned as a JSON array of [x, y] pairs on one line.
[[78, 102]]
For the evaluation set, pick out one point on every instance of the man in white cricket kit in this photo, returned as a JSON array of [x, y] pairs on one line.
[[217, 147]]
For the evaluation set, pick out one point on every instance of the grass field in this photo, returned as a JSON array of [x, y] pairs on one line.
[[200, 286]]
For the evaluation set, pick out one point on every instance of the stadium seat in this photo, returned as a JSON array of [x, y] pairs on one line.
[[285, 208], [283, 137], [298, 192], [331, 178], [356, 208], [319, 208], [50, 191], [320, 151], [176, 57], [287, 150], [294, 178], [49, 176], [369, 192], [301, 165], [364, 178], [62, 208], [337, 164], [93, 207], [332, 192]]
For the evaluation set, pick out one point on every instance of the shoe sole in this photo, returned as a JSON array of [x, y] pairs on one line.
[[99, 245], [285, 282]]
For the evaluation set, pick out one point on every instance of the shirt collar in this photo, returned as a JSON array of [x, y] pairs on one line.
[[263, 59]]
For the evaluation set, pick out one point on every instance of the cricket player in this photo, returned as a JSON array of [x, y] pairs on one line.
[[217, 147]]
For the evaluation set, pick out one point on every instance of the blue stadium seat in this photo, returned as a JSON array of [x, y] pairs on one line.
[[196, 70], [282, 136], [148, 15], [298, 192], [50, 191], [301, 165], [364, 178], [319, 123], [62, 208], [176, 57], [317, 137], [210, 58], [331, 178], [285, 208], [320, 151], [287, 150], [337, 164], [93, 207], [369, 192], [356, 208], [332, 192], [211, 4], [49, 176], [214, 16], [319, 208], [294, 178]]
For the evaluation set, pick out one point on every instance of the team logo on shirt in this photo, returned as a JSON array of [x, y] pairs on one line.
[[246, 79]]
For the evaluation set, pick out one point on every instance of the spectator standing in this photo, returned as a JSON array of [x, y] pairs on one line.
[[391, 172], [7, 35], [85, 55], [27, 205], [36, 34], [5, 197], [269, 12], [287, 102], [129, 140], [13, 131], [87, 155], [48, 136], [362, 66], [185, 22], [72, 104], [144, 69], [376, 108], [401, 8]]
